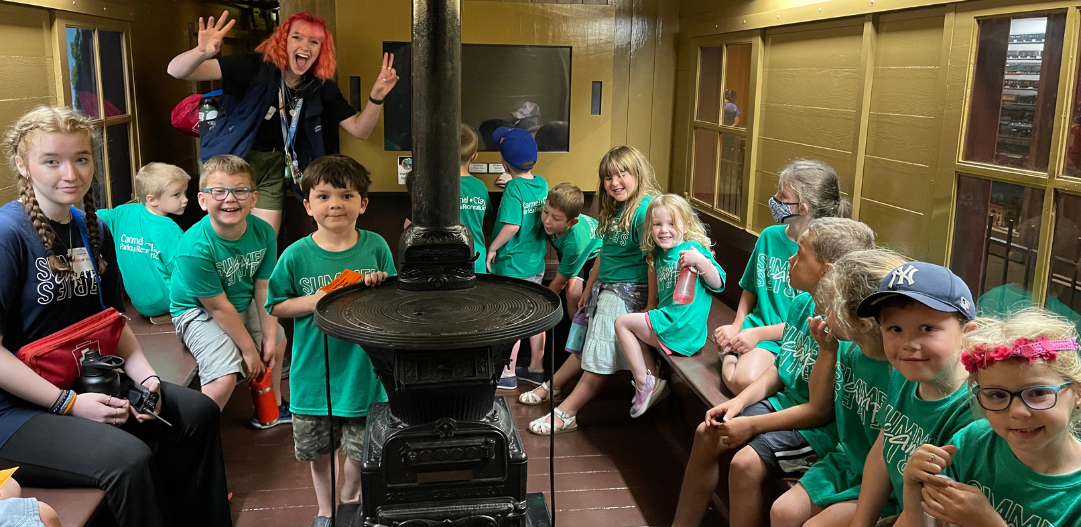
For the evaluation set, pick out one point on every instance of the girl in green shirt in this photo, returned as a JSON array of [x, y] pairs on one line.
[[807, 189], [1022, 464], [677, 240]]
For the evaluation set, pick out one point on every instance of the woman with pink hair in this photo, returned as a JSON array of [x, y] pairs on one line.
[[283, 100]]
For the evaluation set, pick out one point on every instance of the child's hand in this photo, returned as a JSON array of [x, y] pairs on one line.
[[744, 341], [694, 258], [736, 431], [823, 336], [374, 279], [724, 335], [268, 350], [502, 180], [488, 261], [723, 412], [959, 504], [927, 463], [254, 363], [583, 300]]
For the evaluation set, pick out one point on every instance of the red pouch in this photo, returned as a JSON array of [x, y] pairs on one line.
[[185, 115], [57, 358]]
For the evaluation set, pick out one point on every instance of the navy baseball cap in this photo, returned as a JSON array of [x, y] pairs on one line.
[[931, 285], [517, 147]]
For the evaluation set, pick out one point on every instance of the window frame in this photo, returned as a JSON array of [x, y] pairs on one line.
[[61, 22], [747, 131]]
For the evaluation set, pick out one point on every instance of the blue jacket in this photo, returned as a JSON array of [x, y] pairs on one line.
[[239, 121]]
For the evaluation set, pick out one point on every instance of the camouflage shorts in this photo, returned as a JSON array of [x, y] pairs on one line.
[[311, 436]]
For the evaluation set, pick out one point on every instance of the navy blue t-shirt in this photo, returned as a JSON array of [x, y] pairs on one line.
[[34, 303]]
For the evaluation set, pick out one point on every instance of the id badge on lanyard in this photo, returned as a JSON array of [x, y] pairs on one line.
[[289, 131]]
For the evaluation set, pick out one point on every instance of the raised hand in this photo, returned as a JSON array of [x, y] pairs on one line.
[[387, 78], [820, 331], [212, 33]]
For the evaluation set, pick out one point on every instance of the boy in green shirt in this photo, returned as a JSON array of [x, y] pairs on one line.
[[475, 202], [220, 283], [518, 248], [336, 191], [146, 239]]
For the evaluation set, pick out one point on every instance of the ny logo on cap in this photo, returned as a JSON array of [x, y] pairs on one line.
[[964, 304], [902, 275]]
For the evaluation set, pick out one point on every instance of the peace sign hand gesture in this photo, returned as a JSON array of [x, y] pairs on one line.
[[388, 77], [212, 33]]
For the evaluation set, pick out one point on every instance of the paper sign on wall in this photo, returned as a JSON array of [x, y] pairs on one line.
[[405, 166]]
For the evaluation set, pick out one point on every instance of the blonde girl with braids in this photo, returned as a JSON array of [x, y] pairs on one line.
[[49, 280], [1021, 463], [676, 240], [826, 494], [807, 189], [620, 282]]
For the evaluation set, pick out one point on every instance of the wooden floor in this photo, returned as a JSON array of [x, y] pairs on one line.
[[614, 471]]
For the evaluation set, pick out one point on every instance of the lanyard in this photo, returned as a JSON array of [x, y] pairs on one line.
[[289, 130], [77, 215]]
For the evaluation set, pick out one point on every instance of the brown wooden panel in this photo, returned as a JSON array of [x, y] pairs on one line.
[[890, 181], [909, 43], [8, 192], [762, 219], [902, 137], [813, 87], [811, 126], [24, 31], [775, 154], [896, 228], [30, 78], [907, 91], [837, 47]]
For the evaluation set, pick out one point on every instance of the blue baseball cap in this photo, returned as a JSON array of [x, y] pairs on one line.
[[931, 285], [517, 147]]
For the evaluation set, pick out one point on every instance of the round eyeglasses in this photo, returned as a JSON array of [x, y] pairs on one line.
[[220, 193], [1042, 397]]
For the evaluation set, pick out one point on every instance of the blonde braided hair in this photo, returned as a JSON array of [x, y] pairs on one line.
[[17, 144]]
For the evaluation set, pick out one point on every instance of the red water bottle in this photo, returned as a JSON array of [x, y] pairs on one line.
[[684, 293], [262, 397]]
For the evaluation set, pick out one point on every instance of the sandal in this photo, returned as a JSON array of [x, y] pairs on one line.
[[543, 426], [532, 399]]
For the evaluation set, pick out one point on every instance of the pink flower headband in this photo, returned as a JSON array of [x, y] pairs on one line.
[[984, 355]]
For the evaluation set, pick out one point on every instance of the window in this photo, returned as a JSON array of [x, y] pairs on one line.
[[1014, 91], [995, 242], [1062, 280], [720, 128], [96, 72], [518, 86]]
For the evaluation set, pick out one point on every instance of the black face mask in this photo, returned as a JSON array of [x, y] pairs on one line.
[[780, 211]]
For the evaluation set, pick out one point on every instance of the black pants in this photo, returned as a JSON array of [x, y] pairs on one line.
[[182, 484]]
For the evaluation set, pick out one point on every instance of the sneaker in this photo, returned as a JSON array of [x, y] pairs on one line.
[[648, 395], [284, 417], [532, 377], [507, 382]]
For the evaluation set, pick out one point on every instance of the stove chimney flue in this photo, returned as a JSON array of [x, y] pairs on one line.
[[436, 250]]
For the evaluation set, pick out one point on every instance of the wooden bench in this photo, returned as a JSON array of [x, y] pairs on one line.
[[174, 363]]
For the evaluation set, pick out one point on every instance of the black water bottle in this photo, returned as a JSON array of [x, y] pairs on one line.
[[100, 374]]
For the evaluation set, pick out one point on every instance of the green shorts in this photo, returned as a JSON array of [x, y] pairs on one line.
[[311, 436], [269, 171]]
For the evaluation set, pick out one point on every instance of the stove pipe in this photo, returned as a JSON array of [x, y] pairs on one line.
[[436, 250]]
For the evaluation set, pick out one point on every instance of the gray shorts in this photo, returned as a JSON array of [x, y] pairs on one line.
[[786, 453], [215, 353], [311, 436], [20, 512], [537, 279]]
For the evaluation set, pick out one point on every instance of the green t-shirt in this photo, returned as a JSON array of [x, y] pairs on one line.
[[1009, 298], [475, 204], [794, 364], [303, 268], [1020, 495], [207, 265], [766, 275], [908, 422], [523, 255], [146, 246], [576, 246], [622, 259], [681, 328], [860, 386]]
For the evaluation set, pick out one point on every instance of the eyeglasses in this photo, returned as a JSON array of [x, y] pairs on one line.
[[1034, 397], [220, 193]]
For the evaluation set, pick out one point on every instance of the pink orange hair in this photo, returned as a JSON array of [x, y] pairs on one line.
[[274, 47]]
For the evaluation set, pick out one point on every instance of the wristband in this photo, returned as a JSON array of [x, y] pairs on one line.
[[375, 101], [148, 377], [59, 402], [70, 405]]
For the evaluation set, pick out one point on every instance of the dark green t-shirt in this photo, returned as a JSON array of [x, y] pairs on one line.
[[303, 268], [207, 265], [523, 255], [576, 246], [622, 259], [766, 275], [146, 245], [475, 203]]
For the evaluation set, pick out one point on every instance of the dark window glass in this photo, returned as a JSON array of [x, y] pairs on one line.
[[1063, 280], [705, 165], [710, 61], [737, 82], [120, 176], [82, 71], [112, 72], [730, 193]]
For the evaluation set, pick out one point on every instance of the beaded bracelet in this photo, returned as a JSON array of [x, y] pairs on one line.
[[59, 399], [63, 402], [148, 377], [70, 405]]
